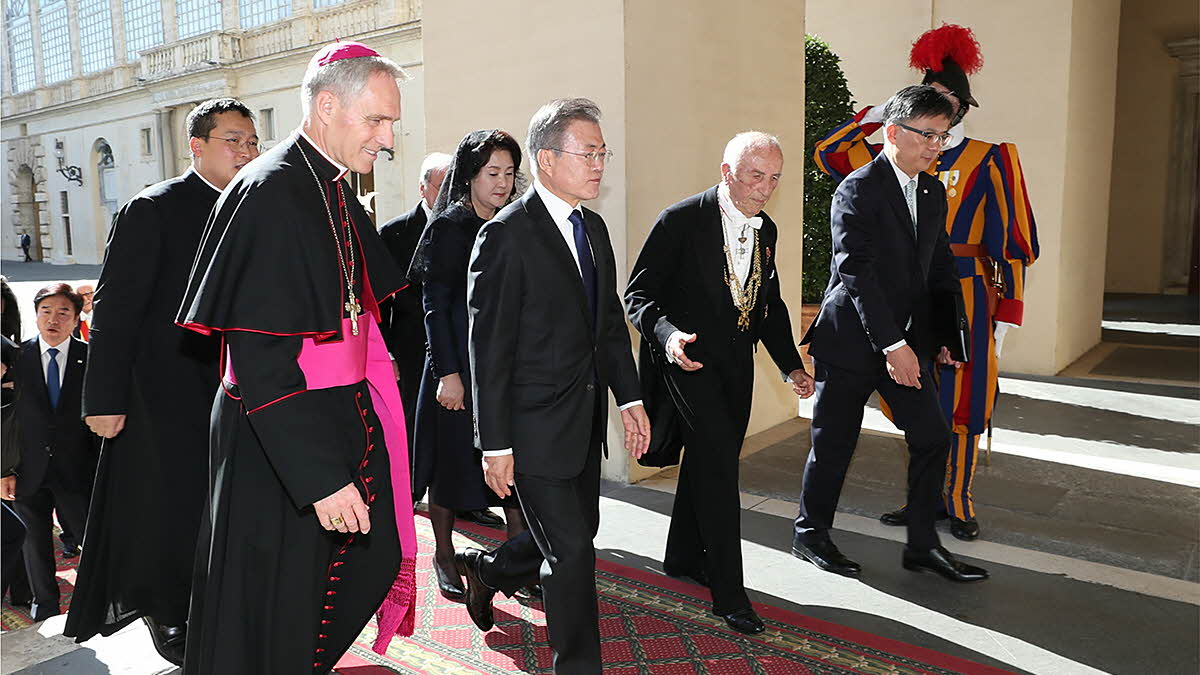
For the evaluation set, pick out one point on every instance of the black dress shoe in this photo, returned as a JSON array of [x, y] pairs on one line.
[[942, 562], [697, 575], [899, 517], [967, 530], [70, 552], [482, 516], [449, 583], [821, 551], [40, 611], [745, 621], [168, 640], [530, 593], [479, 594]]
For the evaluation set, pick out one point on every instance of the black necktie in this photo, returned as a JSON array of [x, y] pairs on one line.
[[587, 264]]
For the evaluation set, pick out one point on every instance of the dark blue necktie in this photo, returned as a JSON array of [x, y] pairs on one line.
[[587, 264], [53, 386]]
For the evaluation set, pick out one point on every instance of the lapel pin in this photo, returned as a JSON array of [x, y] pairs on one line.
[[925, 192]]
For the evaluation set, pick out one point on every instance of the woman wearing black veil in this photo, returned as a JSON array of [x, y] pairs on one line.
[[482, 179]]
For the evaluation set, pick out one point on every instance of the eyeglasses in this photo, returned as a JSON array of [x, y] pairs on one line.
[[239, 144], [600, 156], [931, 137]]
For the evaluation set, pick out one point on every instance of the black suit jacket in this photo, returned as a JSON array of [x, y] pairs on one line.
[[54, 443], [538, 361], [403, 329], [880, 273], [678, 283]]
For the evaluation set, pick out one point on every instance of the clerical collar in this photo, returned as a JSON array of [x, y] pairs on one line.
[[731, 211], [206, 181], [341, 170]]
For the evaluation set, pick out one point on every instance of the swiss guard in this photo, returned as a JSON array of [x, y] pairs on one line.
[[992, 236]]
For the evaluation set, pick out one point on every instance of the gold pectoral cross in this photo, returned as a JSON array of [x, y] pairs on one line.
[[355, 309]]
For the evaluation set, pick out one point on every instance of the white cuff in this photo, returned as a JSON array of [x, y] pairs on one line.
[[629, 405], [671, 339], [497, 453], [891, 348]]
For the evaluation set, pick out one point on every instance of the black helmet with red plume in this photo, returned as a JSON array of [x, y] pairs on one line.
[[948, 55]]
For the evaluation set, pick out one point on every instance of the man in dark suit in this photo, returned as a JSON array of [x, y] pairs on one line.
[[703, 293], [891, 273], [403, 324], [547, 338], [58, 452]]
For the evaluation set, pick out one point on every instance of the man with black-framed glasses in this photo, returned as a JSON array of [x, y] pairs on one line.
[[892, 274], [148, 392]]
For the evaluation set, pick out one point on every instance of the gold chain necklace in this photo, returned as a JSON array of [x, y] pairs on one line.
[[744, 298], [352, 306]]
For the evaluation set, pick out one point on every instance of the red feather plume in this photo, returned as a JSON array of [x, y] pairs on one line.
[[951, 41]]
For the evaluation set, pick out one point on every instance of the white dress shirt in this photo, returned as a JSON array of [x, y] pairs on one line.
[[63, 348], [736, 224], [560, 212], [902, 178], [428, 211]]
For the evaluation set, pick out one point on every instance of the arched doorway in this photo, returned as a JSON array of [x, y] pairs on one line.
[[29, 211]]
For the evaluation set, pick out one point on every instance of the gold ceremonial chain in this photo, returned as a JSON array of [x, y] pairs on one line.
[[744, 298], [351, 305]]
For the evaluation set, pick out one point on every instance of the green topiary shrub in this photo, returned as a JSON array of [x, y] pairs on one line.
[[827, 104]]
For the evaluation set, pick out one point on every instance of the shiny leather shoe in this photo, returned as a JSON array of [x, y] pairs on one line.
[[820, 550], [70, 552], [899, 517], [941, 561], [479, 594], [530, 593], [967, 530], [41, 611], [449, 584], [481, 516], [697, 576], [745, 621], [168, 640]]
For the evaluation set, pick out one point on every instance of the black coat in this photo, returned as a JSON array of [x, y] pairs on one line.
[[152, 477], [445, 459], [55, 443], [678, 283], [401, 321], [538, 360], [880, 274]]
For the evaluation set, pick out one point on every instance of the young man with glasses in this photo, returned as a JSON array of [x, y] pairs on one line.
[[992, 236], [148, 392], [891, 273]]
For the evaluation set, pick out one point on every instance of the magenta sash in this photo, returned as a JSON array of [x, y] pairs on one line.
[[346, 362]]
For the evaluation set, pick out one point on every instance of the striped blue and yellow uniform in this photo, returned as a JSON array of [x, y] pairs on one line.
[[989, 212]]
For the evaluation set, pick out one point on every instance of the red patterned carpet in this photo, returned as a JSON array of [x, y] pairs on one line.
[[649, 624]]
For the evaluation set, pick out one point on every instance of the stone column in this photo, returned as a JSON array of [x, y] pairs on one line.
[[1179, 228], [170, 24], [35, 28], [675, 80]]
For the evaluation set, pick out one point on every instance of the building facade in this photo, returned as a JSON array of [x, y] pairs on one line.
[[95, 93]]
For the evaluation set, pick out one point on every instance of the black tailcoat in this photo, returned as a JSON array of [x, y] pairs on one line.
[[152, 476], [679, 284]]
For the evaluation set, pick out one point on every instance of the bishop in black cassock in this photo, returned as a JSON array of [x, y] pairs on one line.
[[307, 427]]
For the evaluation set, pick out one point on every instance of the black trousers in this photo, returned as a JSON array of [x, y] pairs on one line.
[[13, 579], [837, 421], [36, 510], [563, 515], [705, 532]]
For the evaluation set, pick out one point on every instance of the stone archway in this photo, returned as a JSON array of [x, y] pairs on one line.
[[29, 211]]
